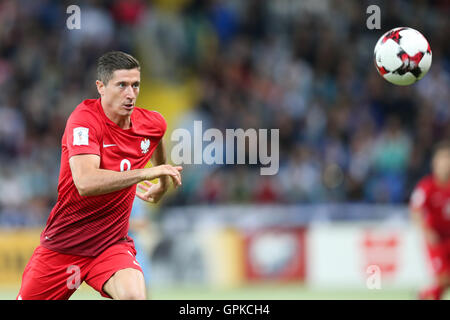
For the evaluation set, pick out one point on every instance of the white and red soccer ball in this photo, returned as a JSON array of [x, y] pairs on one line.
[[402, 56]]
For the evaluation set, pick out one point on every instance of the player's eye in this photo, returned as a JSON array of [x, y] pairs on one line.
[[121, 85], [136, 85]]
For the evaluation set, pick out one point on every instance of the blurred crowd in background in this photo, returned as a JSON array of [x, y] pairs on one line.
[[304, 67]]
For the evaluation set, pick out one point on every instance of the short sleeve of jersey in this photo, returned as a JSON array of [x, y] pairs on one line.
[[419, 196], [82, 134]]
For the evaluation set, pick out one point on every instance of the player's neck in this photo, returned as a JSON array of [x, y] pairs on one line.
[[124, 122]]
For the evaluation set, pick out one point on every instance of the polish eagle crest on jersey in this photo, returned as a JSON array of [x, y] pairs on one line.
[[145, 145]]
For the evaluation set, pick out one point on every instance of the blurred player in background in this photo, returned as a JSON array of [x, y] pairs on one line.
[[430, 207], [106, 145]]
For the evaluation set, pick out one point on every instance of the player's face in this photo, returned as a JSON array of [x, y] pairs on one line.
[[120, 93], [441, 165]]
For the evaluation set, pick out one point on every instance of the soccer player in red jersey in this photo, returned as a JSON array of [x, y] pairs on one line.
[[430, 207], [106, 145]]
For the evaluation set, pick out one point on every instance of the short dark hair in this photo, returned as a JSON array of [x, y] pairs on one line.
[[112, 61], [442, 145]]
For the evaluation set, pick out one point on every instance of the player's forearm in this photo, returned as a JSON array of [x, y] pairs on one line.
[[102, 181], [159, 158], [431, 236], [416, 217], [419, 220]]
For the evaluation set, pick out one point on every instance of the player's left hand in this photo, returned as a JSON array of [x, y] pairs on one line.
[[150, 192]]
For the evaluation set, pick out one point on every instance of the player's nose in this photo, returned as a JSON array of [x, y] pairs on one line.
[[129, 93]]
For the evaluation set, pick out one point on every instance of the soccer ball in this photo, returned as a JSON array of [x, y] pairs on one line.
[[402, 56]]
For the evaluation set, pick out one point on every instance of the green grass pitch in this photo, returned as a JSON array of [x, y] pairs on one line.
[[255, 292]]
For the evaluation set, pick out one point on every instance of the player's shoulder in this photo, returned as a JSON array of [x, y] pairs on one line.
[[87, 110], [424, 188], [150, 117], [426, 183], [422, 192], [150, 113]]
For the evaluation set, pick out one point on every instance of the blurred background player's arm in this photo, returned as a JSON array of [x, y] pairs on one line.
[[153, 192], [417, 216]]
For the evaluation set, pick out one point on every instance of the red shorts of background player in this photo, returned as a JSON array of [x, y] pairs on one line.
[[439, 255], [50, 275]]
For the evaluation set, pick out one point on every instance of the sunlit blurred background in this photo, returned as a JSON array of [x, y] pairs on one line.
[[352, 146]]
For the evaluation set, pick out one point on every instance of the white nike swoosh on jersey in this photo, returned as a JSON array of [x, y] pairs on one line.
[[109, 145]]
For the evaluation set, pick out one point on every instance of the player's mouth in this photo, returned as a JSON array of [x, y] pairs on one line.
[[128, 106]]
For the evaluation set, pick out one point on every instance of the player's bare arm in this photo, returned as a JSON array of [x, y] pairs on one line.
[[159, 158], [153, 192], [91, 180], [431, 236]]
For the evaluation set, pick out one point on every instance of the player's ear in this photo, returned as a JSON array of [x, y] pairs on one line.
[[100, 87]]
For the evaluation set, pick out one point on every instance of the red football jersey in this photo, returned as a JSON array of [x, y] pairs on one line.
[[434, 201], [87, 225]]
